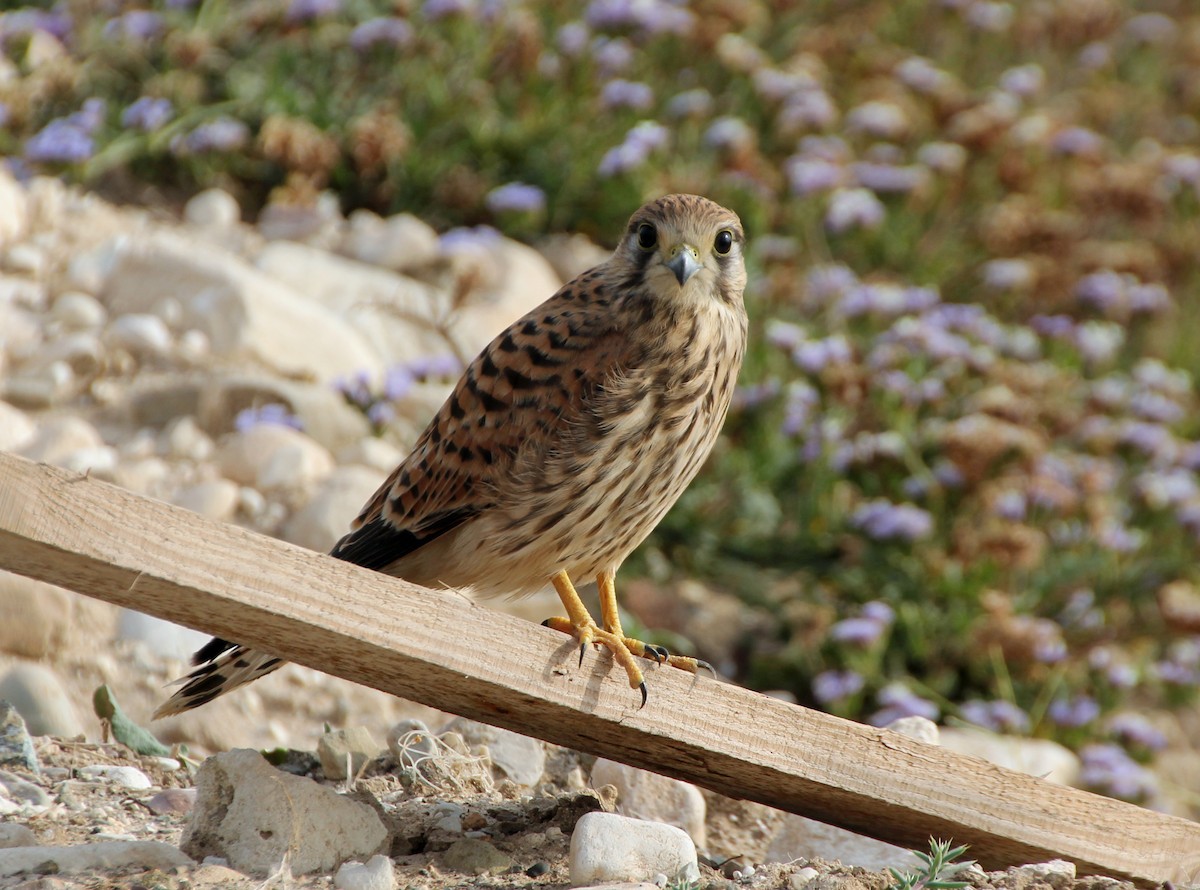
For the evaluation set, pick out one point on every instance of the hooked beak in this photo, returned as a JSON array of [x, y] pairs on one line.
[[684, 262]]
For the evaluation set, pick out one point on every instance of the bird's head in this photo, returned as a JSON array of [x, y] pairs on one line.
[[686, 247]]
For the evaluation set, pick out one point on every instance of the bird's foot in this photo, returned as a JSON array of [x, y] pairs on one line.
[[622, 648]]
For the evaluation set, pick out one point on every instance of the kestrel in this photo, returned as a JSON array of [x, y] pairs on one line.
[[564, 443]]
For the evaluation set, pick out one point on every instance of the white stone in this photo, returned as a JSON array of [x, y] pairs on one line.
[[13, 834], [1058, 873], [41, 699], [102, 855], [123, 776], [17, 430], [247, 456], [140, 333], [400, 243], [374, 874], [295, 467], [802, 877], [41, 387], [213, 207], [519, 757], [920, 728], [81, 351], [57, 437], [78, 311], [1035, 757], [800, 838], [101, 460], [370, 451], [159, 636], [13, 210], [645, 795], [217, 499], [328, 513], [89, 270], [183, 438], [25, 259], [353, 743], [43, 49], [253, 814], [609, 847], [147, 475], [243, 312], [35, 618]]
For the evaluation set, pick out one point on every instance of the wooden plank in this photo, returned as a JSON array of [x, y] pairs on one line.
[[439, 648]]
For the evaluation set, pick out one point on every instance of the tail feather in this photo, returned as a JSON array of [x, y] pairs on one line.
[[222, 673]]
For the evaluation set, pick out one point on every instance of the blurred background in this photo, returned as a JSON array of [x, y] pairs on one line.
[[960, 477]]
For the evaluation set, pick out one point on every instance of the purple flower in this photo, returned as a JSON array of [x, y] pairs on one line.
[[833, 686], [62, 141], [1107, 767], [696, 102], [857, 631], [919, 74], [269, 414], [466, 239], [137, 25], [798, 407], [1099, 342], [998, 715], [729, 133], [784, 335], [356, 388], [220, 134], [885, 120], [612, 54], [300, 11], [643, 139], [898, 701], [853, 208], [621, 93], [434, 10], [1073, 712], [1134, 729], [814, 356], [807, 108], [572, 39], [1152, 27], [1057, 327], [388, 30], [1077, 141], [1008, 274], [809, 175], [879, 611], [943, 157], [649, 16], [1011, 505], [381, 413], [828, 281], [885, 521], [147, 113], [1024, 80], [24, 21], [890, 178], [438, 366], [989, 16], [752, 395], [516, 197]]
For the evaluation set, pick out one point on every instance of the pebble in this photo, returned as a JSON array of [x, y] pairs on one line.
[[645, 795], [371, 451], [1035, 757], [57, 437], [41, 387], [140, 333], [268, 455], [80, 858], [161, 637], [16, 428], [13, 209], [82, 351], [16, 748], [39, 696], [520, 758], [326, 516], [610, 847], [354, 743], [23, 792], [89, 271], [214, 208], [798, 837], [183, 438], [401, 243], [25, 259], [410, 741], [920, 728], [78, 311], [35, 617], [217, 499], [1058, 873], [173, 800], [374, 874], [122, 776], [800, 878], [13, 834], [475, 856]]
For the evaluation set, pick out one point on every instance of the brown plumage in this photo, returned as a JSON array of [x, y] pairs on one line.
[[565, 441]]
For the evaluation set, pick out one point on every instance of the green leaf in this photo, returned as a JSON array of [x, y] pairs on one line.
[[124, 730]]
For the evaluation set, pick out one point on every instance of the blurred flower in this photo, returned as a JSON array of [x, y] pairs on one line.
[[784, 335], [649, 16], [272, 414], [697, 102], [1057, 327], [921, 75], [1108, 768], [147, 113], [898, 701], [1095, 56], [24, 21], [998, 715], [885, 120], [467, 239], [833, 686], [890, 178], [572, 39], [1024, 80], [1134, 729], [1078, 141], [826, 282], [612, 54], [309, 10], [752, 395], [1073, 712], [811, 108], [1009, 274], [1099, 342], [516, 197], [356, 388], [62, 141], [729, 133], [885, 521], [626, 94], [381, 413], [814, 356], [885, 299], [1011, 505], [640, 142], [136, 24], [388, 30], [1152, 27], [434, 10], [220, 134], [809, 175], [988, 16], [851, 208], [943, 157], [801, 398]]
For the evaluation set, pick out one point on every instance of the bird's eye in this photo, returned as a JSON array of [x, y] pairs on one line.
[[724, 242], [647, 236]]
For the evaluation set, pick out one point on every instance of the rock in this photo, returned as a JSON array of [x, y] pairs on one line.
[[13, 210], [1058, 873], [243, 312], [410, 741], [160, 637], [173, 800], [13, 834], [77, 311], [572, 255], [475, 856], [268, 455], [16, 429], [106, 855], [327, 515], [140, 333], [375, 874], [16, 748], [40, 387], [354, 743], [800, 878], [149, 476], [40, 698], [1034, 757], [183, 438], [609, 847], [17, 789], [34, 617], [798, 837], [57, 438], [88, 271], [371, 451], [253, 814], [318, 222], [519, 757], [25, 259], [122, 776], [81, 351], [920, 728], [213, 207], [217, 499], [400, 243], [645, 795]]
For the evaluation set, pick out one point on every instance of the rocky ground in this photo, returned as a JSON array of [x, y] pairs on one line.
[[189, 360]]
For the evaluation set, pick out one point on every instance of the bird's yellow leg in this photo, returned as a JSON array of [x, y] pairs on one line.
[[606, 581], [580, 625]]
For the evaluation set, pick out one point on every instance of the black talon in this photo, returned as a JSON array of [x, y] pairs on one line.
[[582, 649], [700, 663], [661, 653], [546, 623], [645, 695]]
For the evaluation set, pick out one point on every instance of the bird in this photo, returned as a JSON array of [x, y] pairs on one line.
[[563, 444]]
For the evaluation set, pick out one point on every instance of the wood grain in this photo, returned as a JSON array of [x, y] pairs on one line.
[[438, 648]]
